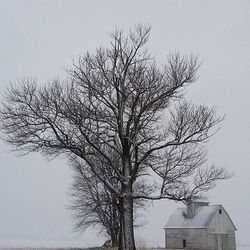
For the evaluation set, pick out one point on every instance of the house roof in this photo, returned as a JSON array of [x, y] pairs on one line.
[[201, 219]]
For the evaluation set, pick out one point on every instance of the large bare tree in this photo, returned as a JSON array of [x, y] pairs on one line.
[[120, 99]]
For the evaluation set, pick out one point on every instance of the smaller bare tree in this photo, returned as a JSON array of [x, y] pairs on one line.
[[93, 205]]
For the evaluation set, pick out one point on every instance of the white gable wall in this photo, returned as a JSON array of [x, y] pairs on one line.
[[221, 223], [221, 231]]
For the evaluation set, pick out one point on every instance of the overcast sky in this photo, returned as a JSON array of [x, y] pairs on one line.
[[40, 38]]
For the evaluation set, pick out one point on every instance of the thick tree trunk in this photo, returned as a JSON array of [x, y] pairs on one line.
[[128, 227]]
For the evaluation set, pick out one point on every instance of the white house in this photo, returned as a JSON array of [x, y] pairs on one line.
[[200, 226]]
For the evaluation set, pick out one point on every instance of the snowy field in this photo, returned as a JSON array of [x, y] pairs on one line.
[[246, 247], [63, 245], [40, 245]]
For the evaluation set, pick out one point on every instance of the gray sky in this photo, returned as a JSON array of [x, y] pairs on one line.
[[40, 38]]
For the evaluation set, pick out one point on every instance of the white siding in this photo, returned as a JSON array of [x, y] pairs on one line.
[[221, 231], [211, 241], [221, 223], [195, 238]]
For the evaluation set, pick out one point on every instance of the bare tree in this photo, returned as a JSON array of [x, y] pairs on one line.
[[119, 99], [93, 205]]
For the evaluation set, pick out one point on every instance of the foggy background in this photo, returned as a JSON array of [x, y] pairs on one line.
[[40, 39]]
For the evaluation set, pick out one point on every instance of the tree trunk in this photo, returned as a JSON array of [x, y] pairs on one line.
[[114, 237], [121, 238], [128, 227], [115, 224], [114, 241]]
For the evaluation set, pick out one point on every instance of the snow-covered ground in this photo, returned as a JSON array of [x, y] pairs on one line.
[[243, 247], [59, 245], [34, 244]]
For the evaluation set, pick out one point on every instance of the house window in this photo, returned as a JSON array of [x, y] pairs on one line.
[[220, 211], [184, 243]]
